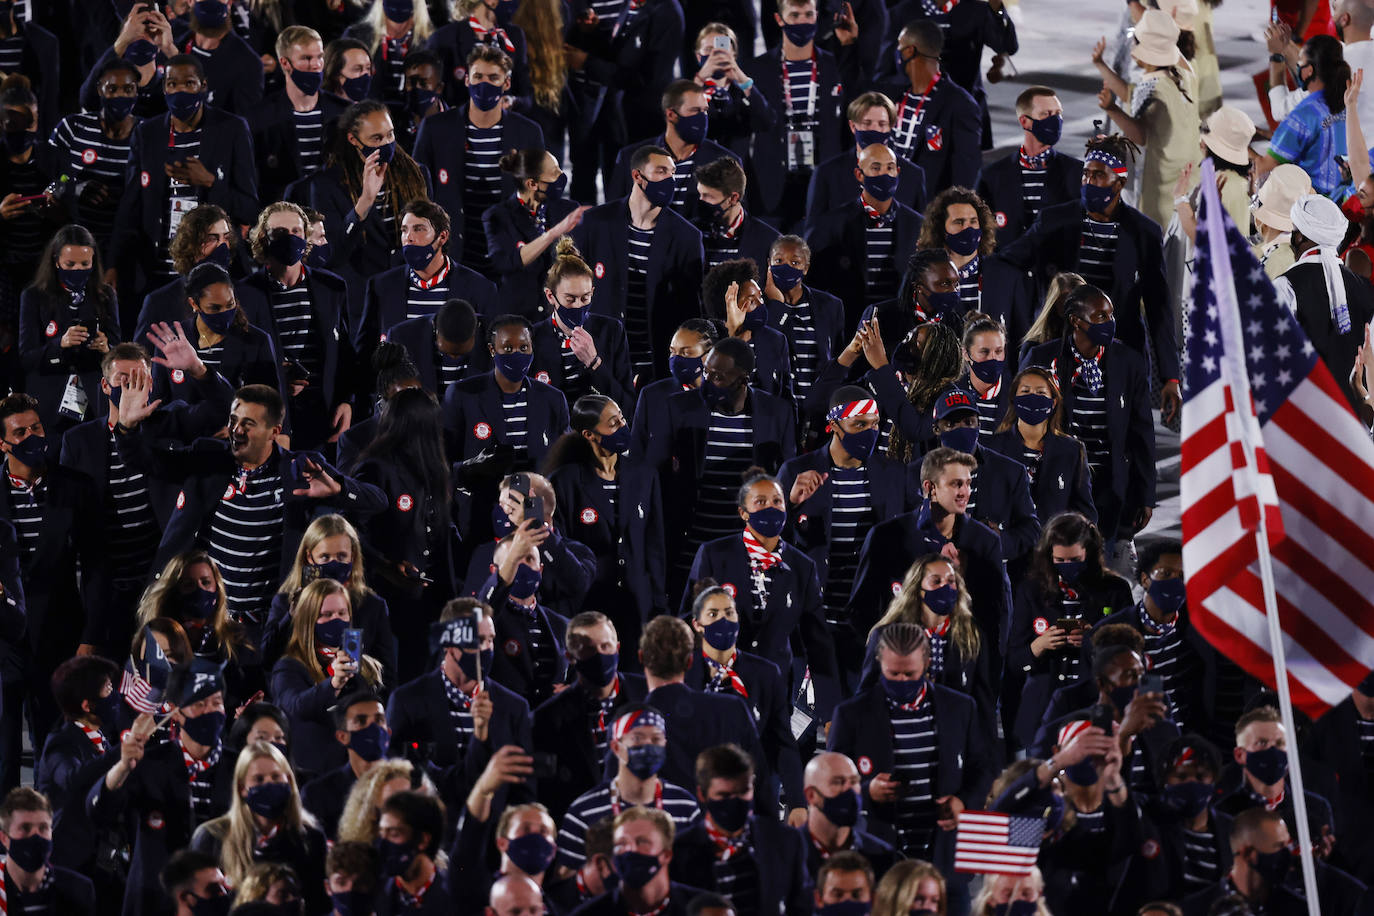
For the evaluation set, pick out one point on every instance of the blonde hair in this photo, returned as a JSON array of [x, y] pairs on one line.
[[305, 611], [982, 904], [567, 263], [1049, 324], [159, 597], [257, 884], [236, 830], [905, 607], [294, 35], [897, 889], [358, 823], [328, 526], [257, 236], [861, 104], [717, 28], [542, 21], [421, 26]]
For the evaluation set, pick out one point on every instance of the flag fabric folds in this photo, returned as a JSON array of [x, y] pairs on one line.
[[990, 843]]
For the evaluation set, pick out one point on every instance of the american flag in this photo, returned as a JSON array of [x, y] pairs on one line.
[[143, 684], [989, 843], [1266, 428]]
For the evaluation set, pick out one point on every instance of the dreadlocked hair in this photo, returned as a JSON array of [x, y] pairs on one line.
[[942, 362], [1117, 145], [403, 182]]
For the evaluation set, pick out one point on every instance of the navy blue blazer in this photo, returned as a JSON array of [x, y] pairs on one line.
[[1052, 245], [384, 305], [509, 226], [861, 731], [1001, 189], [204, 470], [652, 401], [756, 239], [879, 853], [677, 445], [948, 143], [168, 303], [794, 610], [1004, 500], [454, 42], [768, 173], [772, 362], [630, 69], [827, 315], [415, 527], [417, 336], [612, 378], [326, 795], [273, 123], [65, 772], [47, 365], [233, 71], [246, 357], [441, 147], [839, 252], [770, 700], [307, 704], [226, 150], [808, 522], [569, 569], [371, 615], [38, 61], [561, 730], [833, 184], [673, 279], [475, 419], [707, 151], [892, 546], [779, 857], [328, 314], [512, 665], [698, 720], [418, 715], [630, 553], [1129, 482], [1063, 482]]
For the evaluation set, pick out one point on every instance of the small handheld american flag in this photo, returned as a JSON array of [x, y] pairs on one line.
[[989, 843]]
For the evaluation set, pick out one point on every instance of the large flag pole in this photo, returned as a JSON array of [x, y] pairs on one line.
[[1234, 373]]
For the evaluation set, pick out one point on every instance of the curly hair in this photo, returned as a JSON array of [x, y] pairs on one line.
[[257, 236], [358, 823], [185, 246], [937, 211]]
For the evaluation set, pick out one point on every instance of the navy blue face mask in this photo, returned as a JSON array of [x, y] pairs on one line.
[[1268, 766], [768, 522], [200, 603], [319, 255], [220, 255], [218, 322], [730, 813], [721, 634], [106, 709], [1100, 333], [1188, 799], [553, 190], [485, 96], [941, 600], [692, 128], [785, 276], [842, 808], [418, 100], [1121, 697], [660, 193], [74, 279], [205, 728], [531, 853], [525, 582], [987, 371], [1069, 570], [618, 442], [353, 903], [337, 570], [268, 799], [597, 669], [799, 34], [645, 760], [714, 395], [572, 317], [1016, 908], [965, 241], [1095, 199], [1083, 773], [369, 743], [902, 691], [330, 633], [30, 853], [860, 445], [286, 249], [116, 109], [1169, 595], [385, 153], [140, 52], [396, 858], [867, 138], [1033, 409], [1048, 129], [845, 908], [960, 438], [686, 369], [467, 662], [184, 105], [417, 257], [635, 869], [940, 303], [357, 87], [210, 13], [398, 10], [514, 366], [32, 452], [881, 187], [308, 81]]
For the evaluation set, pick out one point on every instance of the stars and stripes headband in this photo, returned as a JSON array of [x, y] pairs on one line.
[[1187, 755], [1072, 730], [638, 718], [1107, 159], [865, 408]]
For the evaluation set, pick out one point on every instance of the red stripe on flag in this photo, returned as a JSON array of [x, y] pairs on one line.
[[1207, 509], [1330, 519], [1199, 445], [1329, 450]]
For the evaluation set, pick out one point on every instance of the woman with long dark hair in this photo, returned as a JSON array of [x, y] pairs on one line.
[[1313, 133], [611, 504], [361, 193], [544, 28], [1068, 589], [409, 546], [67, 323]]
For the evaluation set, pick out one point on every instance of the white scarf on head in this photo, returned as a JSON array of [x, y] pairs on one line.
[[1321, 221]]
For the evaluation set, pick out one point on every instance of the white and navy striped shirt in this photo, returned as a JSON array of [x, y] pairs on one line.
[[971, 283], [637, 300], [481, 189], [12, 53], [729, 452], [27, 233], [737, 876], [28, 504], [425, 297], [451, 369], [291, 311], [798, 323], [181, 198], [542, 648], [133, 531], [1098, 251], [1200, 865], [515, 410], [719, 246], [309, 127], [459, 711], [599, 803], [1032, 192], [1173, 660], [576, 380], [1088, 423], [990, 410], [879, 274], [244, 538], [394, 52], [804, 93], [684, 185], [851, 514], [908, 136], [87, 154], [915, 762]]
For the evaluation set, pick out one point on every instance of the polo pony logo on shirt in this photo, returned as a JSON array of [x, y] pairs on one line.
[[599, 270], [1061, 481], [443, 176], [589, 516], [1040, 625], [935, 140], [51, 329], [405, 502], [88, 156], [482, 431], [512, 647]]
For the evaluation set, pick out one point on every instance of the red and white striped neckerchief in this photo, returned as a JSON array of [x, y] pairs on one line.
[[726, 670], [826, 851], [488, 36], [95, 736], [760, 556], [617, 804], [413, 901], [991, 392], [914, 704], [1277, 800], [1067, 590], [726, 845], [1090, 368], [439, 277], [24, 486], [875, 218], [729, 231], [1036, 163], [267, 837], [402, 45], [942, 629], [601, 705]]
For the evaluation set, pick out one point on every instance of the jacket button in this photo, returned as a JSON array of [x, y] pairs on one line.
[[622, 561], [756, 644]]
